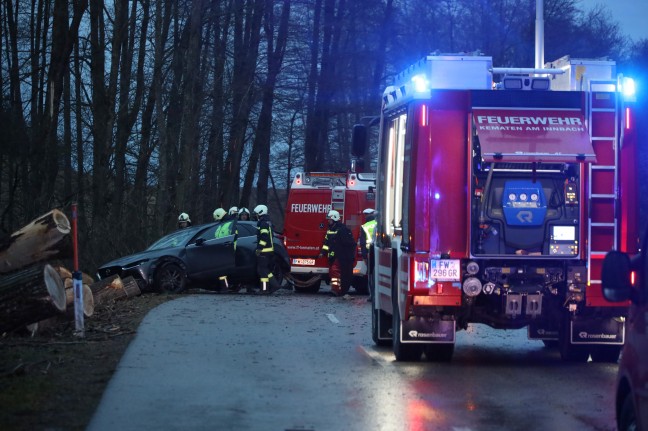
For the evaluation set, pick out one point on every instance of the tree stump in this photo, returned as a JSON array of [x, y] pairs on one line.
[[30, 295], [45, 238], [88, 300]]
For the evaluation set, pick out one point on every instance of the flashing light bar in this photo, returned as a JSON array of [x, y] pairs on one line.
[[628, 88], [421, 84]]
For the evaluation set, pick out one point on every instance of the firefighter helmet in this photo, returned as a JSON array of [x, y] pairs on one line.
[[243, 211], [184, 217], [368, 211], [333, 215], [260, 210], [233, 211], [219, 213]]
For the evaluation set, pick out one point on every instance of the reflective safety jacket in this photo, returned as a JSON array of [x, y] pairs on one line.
[[227, 228], [264, 236], [366, 237], [339, 243]]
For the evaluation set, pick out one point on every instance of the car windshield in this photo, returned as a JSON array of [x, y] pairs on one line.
[[175, 239]]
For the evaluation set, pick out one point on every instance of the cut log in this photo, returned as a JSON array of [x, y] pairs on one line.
[[47, 237], [88, 300], [63, 272], [29, 295]]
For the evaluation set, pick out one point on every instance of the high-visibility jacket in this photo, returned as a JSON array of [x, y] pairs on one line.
[[227, 228], [264, 236], [366, 236]]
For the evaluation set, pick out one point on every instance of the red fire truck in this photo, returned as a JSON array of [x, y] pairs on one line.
[[496, 204], [312, 195]]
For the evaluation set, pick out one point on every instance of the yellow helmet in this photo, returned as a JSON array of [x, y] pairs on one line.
[[219, 213]]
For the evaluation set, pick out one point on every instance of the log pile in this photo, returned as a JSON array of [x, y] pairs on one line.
[[35, 287]]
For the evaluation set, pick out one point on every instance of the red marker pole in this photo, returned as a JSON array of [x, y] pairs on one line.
[[76, 278]]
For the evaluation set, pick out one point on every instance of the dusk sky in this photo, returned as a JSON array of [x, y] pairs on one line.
[[630, 14]]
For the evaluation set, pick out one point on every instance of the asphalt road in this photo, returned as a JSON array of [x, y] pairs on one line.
[[307, 362]]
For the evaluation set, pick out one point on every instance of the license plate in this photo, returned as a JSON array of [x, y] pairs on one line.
[[307, 262], [445, 270]]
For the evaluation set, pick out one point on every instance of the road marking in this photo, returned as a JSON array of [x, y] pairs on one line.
[[332, 318]]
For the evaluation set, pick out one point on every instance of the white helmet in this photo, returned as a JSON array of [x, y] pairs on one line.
[[333, 215], [243, 210], [260, 210], [233, 211], [219, 213], [184, 217], [369, 211]]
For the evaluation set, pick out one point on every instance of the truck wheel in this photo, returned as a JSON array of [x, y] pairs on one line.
[[608, 354], [375, 328], [301, 287], [171, 278], [439, 352], [402, 351], [570, 352], [360, 284]]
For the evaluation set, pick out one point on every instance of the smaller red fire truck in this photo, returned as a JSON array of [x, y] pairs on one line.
[[312, 195]]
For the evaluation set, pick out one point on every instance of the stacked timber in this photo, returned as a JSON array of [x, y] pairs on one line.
[[33, 289]]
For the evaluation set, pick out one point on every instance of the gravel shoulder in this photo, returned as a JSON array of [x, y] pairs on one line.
[[54, 379]]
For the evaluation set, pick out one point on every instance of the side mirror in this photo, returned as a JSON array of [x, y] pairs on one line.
[[616, 276], [359, 141]]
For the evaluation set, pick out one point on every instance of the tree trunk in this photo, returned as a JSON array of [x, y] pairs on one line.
[[30, 295], [113, 288], [45, 238]]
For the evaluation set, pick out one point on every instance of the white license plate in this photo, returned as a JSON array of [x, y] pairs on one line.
[[307, 262], [445, 270]]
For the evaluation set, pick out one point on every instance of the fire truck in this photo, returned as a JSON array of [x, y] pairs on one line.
[[499, 191], [312, 195]]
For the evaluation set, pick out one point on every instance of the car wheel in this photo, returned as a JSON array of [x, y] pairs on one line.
[[627, 420], [277, 272], [170, 277]]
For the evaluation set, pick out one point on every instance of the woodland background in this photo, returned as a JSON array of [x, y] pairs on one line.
[[139, 109]]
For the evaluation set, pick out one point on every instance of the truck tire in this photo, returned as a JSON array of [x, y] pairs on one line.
[[402, 351], [308, 288], [609, 354], [439, 352], [570, 352], [375, 329]]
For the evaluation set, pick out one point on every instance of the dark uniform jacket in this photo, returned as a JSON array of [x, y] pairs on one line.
[[339, 243]]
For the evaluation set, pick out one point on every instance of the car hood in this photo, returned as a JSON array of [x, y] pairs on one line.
[[137, 257]]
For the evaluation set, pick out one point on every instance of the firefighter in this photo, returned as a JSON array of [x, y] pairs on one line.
[[265, 251], [183, 221], [244, 214], [339, 246], [366, 242], [226, 227], [232, 214]]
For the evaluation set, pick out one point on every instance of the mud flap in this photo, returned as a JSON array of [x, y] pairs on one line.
[[427, 330], [599, 331], [537, 332]]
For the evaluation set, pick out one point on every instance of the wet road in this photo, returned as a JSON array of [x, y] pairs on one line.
[[307, 362]]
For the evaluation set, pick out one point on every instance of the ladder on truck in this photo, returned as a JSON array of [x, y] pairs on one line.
[[337, 200], [603, 177]]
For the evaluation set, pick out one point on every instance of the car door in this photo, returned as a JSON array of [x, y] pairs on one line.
[[207, 257], [638, 329]]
